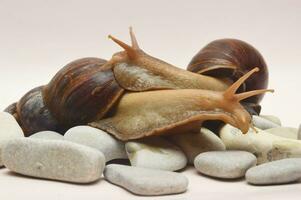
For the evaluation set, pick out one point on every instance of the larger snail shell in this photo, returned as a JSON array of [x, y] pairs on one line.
[[232, 58], [79, 93]]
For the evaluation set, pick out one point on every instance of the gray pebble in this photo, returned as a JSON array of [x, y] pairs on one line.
[[9, 129], [224, 164], [263, 123], [48, 135], [144, 181], [53, 159], [98, 139], [272, 118], [287, 132], [299, 133], [276, 172], [265, 146], [155, 153], [195, 143]]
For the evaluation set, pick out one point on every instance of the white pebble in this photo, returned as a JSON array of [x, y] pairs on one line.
[[287, 132], [265, 146], [195, 143], [9, 129], [48, 135], [272, 118], [224, 164], [144, 181], [299, 133], [263, 123], [276, 172], [53, 159], [98, 139], [156, 153]]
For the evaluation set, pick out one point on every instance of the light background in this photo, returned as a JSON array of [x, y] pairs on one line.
[[39, 37]]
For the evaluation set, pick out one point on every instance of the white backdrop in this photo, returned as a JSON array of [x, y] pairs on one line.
[[39, 37]]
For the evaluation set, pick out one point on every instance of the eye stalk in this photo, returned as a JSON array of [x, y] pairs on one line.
[[130, 50], [230, 92], [241, 116]]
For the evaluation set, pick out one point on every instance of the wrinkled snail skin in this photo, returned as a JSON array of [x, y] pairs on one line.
[[232, 58], [135, 70], [177, 111]]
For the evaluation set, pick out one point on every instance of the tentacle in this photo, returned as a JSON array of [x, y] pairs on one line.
[[133, 39], [230, 92], [131, 52], [253, 127], [245, 95]]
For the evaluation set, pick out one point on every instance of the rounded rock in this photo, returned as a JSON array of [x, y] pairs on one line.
[[286, 132], [53, 159], [299, 133], [272, 118], [276, 172], [265, 146], [144, 181], [263, 123], [195, 143], [9, 129], [47, 135], [98, 139], [155, 153], [224, 164]]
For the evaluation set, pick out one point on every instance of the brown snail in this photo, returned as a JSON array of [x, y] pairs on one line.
[[232, 58], [92, 90]]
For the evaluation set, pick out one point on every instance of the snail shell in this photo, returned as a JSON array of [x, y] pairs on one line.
[[231, 59], [79, 93]]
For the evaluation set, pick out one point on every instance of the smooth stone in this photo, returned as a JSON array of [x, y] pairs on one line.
[[98, 139], [287, 132], [224, 164], [9, 129], [265, 146], [263, 123], [276, 172], [272, 118], [195, 143], [53, 159], [48, 135], [156, 153], [299, 133], [143, 181]]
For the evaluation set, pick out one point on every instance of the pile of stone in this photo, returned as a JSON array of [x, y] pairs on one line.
[[271, 155]]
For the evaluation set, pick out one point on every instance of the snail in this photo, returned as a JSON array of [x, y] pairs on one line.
[[177, 111], [232, 58], [89, 90]]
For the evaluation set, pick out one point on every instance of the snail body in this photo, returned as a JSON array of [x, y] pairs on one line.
[[95, 91], [177, 111]]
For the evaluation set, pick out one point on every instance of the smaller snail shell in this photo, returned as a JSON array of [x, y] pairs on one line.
[[232, 58], [32, 114]]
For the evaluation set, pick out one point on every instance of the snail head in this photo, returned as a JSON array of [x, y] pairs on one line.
[[130, 52], [240, 117]]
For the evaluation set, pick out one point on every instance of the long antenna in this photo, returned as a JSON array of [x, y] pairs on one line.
[[129, 50]]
